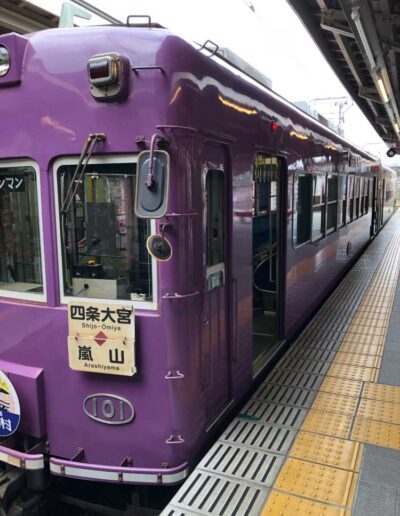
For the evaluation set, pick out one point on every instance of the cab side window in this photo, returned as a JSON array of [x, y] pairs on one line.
[[20, 248]]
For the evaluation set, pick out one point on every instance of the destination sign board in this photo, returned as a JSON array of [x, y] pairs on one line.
[[101, 338]]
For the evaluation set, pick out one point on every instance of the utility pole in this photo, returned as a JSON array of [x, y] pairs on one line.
[[341, 104]]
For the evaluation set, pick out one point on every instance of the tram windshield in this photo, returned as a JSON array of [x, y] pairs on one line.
[[104, 243], [20, 253]]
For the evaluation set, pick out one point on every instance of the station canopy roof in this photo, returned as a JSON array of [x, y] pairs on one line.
[[23, 17], [361, 41]]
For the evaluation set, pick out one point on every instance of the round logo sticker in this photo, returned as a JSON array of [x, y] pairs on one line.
[[10, 413]]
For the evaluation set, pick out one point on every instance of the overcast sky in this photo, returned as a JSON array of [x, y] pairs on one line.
[[267, 34]]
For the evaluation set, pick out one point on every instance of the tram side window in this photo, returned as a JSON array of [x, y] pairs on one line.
[[318, 201], [350, 197], [367, 189], [20, 253], [356, 198], [215, 237], [331, 219], [105, 243], [362, 186], [302, 202], [342, 201]]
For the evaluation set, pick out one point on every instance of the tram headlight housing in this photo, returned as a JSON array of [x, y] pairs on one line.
[[103, 70], [5, 60], [108, 76]]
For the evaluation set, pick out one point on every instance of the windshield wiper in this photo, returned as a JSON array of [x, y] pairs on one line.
[[83, 161]]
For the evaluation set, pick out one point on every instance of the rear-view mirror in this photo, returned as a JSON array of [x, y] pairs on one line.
[[152, 184]]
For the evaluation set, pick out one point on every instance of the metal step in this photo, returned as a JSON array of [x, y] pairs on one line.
[[242, 463], [261, 436], [306, 366], [293, 379], [209, 494], [285, 395], [319, 355], [273, 414]]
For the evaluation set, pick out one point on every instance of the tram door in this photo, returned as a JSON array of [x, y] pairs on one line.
[[215, 357], [265, 278]]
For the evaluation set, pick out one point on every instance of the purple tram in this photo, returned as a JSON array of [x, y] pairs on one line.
[[166, 224]]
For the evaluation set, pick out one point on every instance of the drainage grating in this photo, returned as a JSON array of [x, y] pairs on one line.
[[335, 325], [320, 355], [178, 512], [265, 437], [279, 415], [285, 395], [323, 333], [306, 366], [208, 494], [326, 344], [293, 379], [242, 463]]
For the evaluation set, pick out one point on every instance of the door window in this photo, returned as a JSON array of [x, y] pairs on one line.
[[215, 229]]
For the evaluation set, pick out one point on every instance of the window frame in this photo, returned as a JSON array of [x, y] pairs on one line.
[[350, 199], [367, 197], [322, 205], [308, 241], [362, 196], [343, 200], [64, 299], [26, 296], [328, 203], [357, 198]]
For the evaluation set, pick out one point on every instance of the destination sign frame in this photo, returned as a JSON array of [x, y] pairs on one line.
[[101, 338]]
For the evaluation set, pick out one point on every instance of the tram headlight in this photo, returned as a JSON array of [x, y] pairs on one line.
[[103, 70], [5, 60], [108, 76]]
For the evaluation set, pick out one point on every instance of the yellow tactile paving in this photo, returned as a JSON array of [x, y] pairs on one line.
[[316, 481], [357, 359], [365, 374], [365, 349], [329, 402], [364, 339], [324, 459], [377, 391], [282, 504], [367, 330], [327, 423], [331, 451], [371, 310], [378, 320], [380, 411], [341, 386], [377, 298], [376, 432]]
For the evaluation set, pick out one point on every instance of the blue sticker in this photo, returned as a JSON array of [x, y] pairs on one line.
[[10, 413]]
